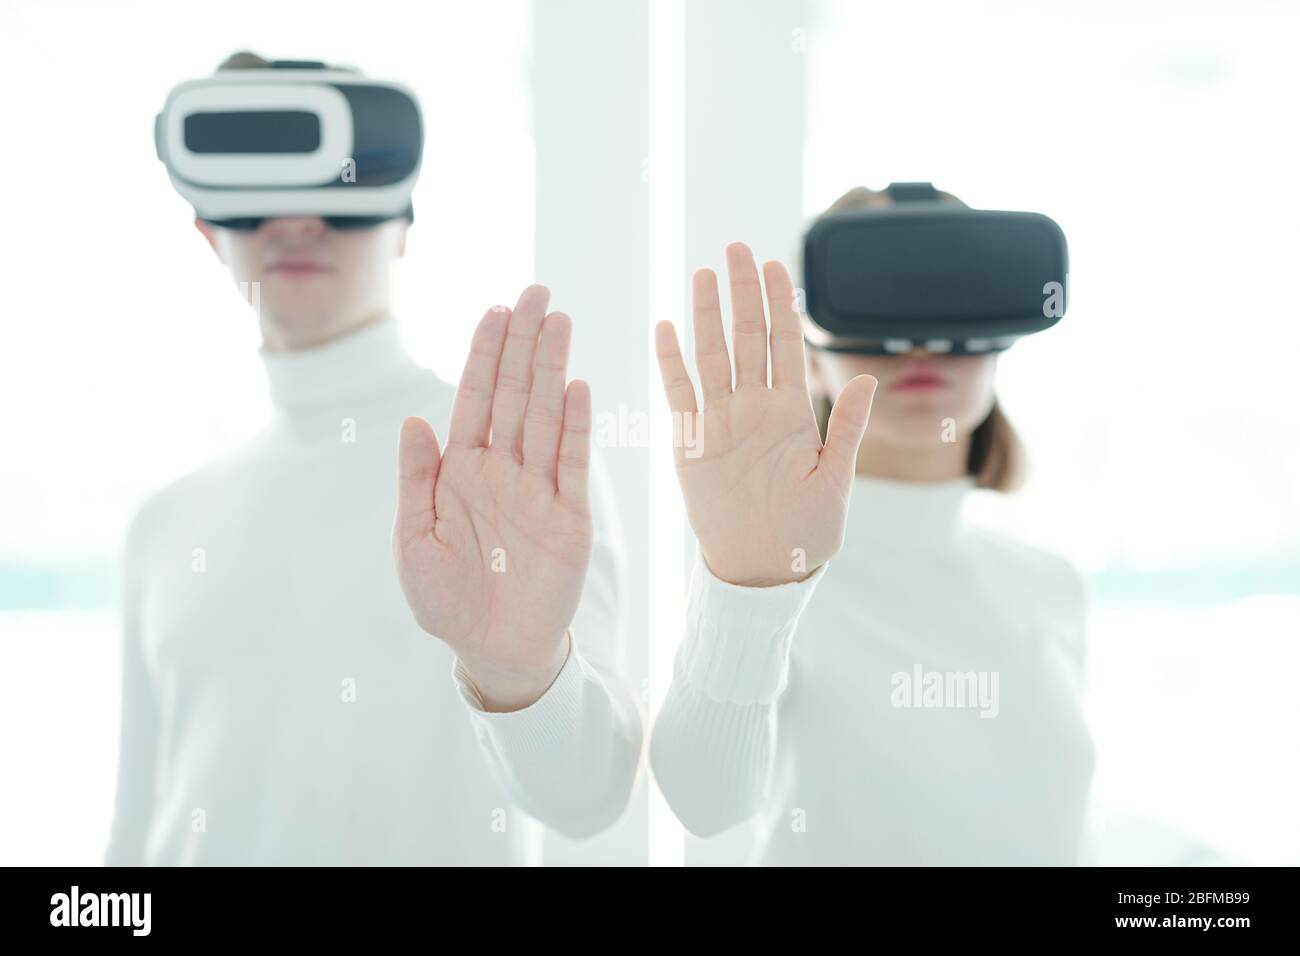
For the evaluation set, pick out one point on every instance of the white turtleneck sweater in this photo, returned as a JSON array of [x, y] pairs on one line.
[[915, 701], [281, 706]]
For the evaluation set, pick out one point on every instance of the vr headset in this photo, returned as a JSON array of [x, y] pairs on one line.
[[298, 138], [926, 274]]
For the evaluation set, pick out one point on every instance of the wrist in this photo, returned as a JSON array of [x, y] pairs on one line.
[[749, 578], [504, 688]]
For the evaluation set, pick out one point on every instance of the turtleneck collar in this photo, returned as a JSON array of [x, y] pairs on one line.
[[887, 514], [313, 379]]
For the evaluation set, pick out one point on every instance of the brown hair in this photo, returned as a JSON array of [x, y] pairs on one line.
[[244, 60], [997, 458], [248, 60]]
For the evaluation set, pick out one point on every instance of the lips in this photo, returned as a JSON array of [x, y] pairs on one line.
[[298, 264], [920, 379]]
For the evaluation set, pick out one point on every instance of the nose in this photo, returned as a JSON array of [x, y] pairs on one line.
[[296, 227]]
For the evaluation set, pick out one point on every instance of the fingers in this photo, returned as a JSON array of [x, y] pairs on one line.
[[711, 356], [471, 414], [515, 373], [575, 446], [672, 369], [748, 322], [789, 368], [544, 419], [848, 424], [418, 460]]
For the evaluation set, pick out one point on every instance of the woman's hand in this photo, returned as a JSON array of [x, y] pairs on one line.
[[767, 500], [493, 534]]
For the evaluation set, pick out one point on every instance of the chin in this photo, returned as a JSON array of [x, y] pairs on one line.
[[931, 437], [917, 426], [299, 320]]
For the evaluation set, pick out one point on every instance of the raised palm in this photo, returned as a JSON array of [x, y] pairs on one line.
[[493, 535], [766, 498]]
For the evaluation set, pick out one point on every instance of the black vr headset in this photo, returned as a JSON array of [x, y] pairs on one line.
[[296, 139], [933, 275]]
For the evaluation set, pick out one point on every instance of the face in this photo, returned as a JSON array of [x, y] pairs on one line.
[[315, 282], [918, 392]]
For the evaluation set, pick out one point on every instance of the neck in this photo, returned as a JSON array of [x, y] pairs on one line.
[[944, 461], [321, 385], [282, 337]]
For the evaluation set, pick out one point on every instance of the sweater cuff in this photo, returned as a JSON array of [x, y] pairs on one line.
[[551, 720], [737, 644]]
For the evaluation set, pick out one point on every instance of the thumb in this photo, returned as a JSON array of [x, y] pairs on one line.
[[848, 424], [418, 459]]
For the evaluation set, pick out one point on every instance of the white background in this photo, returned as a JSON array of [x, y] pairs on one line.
[[1161, 415]]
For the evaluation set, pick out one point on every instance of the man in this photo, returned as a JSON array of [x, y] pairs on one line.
[[279, 705]]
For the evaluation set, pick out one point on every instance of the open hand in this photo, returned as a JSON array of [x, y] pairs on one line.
[[493, 534], [766, 498]]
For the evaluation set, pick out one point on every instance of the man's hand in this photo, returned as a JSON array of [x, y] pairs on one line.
[[493, 534], [766, 499]]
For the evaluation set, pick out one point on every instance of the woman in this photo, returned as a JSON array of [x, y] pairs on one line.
[[915, 700]]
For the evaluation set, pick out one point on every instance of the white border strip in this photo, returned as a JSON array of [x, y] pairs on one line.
[[667, 571]]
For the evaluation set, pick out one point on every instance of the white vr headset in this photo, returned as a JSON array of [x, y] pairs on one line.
[[298, 138]]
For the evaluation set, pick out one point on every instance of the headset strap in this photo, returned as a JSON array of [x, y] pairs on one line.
[[912, 192], [297, 65]]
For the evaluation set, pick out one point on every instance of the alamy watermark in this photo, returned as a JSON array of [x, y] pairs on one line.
[[627, 428], [973, 690], [102, 909]]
